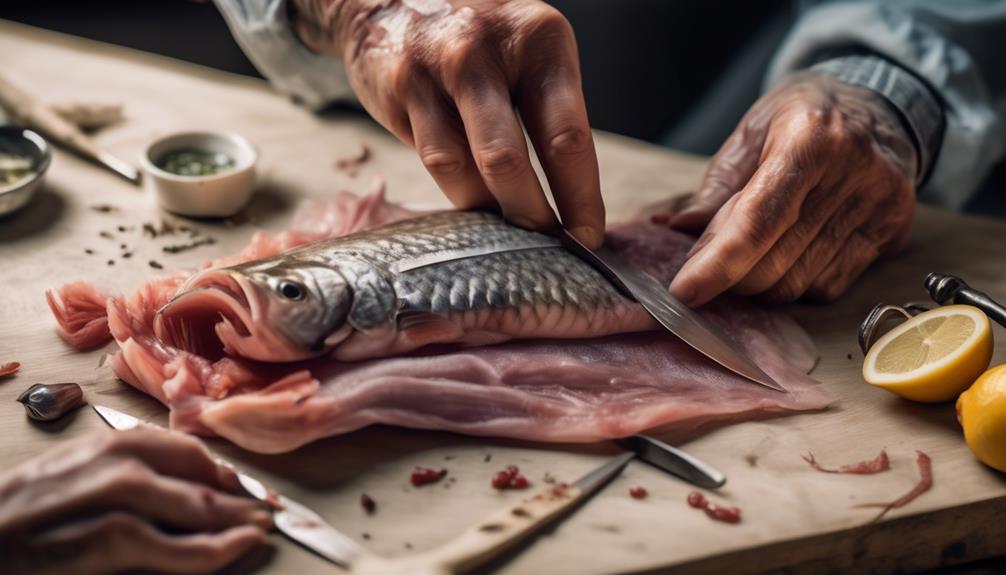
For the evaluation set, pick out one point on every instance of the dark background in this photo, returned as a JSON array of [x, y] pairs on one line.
[[646, 63]]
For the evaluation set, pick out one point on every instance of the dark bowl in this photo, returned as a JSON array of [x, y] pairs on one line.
[[23, 142]]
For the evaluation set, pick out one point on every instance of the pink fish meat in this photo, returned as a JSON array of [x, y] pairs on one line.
[[561, 390]]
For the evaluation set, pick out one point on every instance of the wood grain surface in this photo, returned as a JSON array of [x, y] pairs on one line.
[[795, 518]]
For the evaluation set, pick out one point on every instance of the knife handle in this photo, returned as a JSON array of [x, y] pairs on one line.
[[481, 542]]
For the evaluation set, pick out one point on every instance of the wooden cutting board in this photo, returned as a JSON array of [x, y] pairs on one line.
[[794, 518]]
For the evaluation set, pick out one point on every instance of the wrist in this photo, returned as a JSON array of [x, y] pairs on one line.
[[910, 100], [324, 25]]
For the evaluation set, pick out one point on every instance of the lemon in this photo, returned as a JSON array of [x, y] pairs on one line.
[[981, 410], [932, 357]]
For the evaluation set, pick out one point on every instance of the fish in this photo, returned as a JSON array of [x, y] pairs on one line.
[[463, 278], [584, 386]]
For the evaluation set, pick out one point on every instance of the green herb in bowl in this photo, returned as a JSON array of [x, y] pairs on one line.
[[192, 162]]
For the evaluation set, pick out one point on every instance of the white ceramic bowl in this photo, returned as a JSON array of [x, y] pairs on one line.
[[214, 196], [23, 142]]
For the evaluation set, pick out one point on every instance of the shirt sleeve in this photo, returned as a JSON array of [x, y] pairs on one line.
[[954, 48], [263, 30]]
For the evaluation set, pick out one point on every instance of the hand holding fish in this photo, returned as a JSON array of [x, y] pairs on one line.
[[817, 182], [448, 78], [97, 504]]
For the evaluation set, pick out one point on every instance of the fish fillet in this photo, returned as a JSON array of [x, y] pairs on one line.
[[568, 390]]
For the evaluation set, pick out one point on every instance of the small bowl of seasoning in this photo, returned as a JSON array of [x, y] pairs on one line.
[[201, 174], [24, 158]]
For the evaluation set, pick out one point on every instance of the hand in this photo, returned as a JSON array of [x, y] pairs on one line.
[[815, 183], [98, 504], [448, 78]]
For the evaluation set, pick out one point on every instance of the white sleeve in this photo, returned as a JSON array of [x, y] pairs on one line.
[[954, 47], [263, 31]]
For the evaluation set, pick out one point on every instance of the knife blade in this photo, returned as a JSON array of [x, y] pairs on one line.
[[294, 520], [674, 461], [675, 316]]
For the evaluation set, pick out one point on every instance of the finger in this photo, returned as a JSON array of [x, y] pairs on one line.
[[131, 485], [186, 505], [440, 141], [500, 151], [714, 227], [821, 203], [768, 206], [175, 454], [554, 111], [850, 263], [119, 541], [730, 169], [831, 239]]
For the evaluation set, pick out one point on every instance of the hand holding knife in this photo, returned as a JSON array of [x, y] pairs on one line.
[[480, 543]]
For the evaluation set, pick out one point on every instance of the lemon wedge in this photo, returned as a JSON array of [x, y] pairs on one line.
[[932, 357], [981, 410]]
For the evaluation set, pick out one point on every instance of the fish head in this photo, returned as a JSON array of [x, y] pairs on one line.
[[268, 310]]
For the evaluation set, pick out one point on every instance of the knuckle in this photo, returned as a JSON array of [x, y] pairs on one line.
[[119, 524], [457, 58], [570, 141], [129, 476], [543, 18], [789, 289], [758, 229], [546, 19], [441, 161], [500, 160]]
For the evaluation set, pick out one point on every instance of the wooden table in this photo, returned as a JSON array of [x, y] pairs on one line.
[[794, 517]]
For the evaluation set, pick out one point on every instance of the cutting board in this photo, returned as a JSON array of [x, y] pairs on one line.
[[794, 517]]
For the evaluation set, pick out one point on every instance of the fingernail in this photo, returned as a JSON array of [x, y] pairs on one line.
[[588, 236]]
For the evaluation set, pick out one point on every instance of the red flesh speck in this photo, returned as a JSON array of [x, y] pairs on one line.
[[509, 478], [368, 503], [423, 475], [717, 512], [925, 466], [638, 492], [9, 368], [875, 465]]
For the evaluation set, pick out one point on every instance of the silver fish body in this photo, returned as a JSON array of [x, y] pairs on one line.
[[451, 277]]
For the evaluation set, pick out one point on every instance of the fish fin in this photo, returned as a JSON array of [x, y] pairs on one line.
[[423, 328]]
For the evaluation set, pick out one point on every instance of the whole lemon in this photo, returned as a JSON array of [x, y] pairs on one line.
[[981, 411]]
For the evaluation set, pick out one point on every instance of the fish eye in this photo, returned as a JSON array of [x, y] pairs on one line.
[[291, 290]]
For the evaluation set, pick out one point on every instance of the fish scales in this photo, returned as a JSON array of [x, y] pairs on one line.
[[404, 285]]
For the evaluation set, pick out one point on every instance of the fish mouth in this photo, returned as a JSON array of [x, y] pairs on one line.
[[220, 312]]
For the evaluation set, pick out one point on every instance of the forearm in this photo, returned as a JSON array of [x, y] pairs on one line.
[[324, 25]]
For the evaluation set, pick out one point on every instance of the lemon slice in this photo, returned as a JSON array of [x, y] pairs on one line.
[[932, 357], [981, 411]]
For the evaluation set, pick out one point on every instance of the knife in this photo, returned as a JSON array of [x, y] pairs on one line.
[[675, 316], [499, 531], [293, 519], [31, 111], [673, 460]]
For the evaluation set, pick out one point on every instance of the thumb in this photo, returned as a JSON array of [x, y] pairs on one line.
[[729, 171]]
